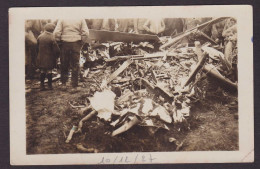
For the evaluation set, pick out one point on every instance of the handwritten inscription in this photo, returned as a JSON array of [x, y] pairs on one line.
[[124, 159]]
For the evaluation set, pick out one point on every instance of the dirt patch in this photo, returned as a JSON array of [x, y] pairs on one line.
[[217, 130]]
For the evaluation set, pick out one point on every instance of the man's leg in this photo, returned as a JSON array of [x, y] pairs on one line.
[[42, 78], [75, 55], [64, 59], [49, 77]]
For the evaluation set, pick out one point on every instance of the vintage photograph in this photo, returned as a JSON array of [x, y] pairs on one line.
[[131, 85], [139, 88]]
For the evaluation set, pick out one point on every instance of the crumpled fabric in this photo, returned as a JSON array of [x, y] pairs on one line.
[[103, 102]]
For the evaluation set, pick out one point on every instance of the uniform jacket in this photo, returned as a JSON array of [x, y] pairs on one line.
[[47, 51]]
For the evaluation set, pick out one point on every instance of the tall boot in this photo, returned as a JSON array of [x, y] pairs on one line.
[[49, 76], [42, 78]]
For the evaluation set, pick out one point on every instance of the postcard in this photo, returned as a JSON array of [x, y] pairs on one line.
[[131, 85]]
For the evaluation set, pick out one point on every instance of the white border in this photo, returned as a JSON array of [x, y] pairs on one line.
[[17, 16]]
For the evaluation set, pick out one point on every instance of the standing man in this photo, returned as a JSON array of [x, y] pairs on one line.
[[72, 34]]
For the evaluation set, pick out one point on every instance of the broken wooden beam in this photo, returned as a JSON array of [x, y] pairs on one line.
[[198, 67], [133, 57], [142, 57], [126, 126], [147, 57], [119, 70], [207, 37], [146, 84], [213, 72], [113, 36], [162, 92], [72, 131], [119, 58], [175, 40]]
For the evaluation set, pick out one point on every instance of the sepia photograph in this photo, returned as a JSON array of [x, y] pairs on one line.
[[165, 84], [138, 84]]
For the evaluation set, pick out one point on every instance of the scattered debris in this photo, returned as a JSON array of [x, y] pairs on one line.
[[197, 68], [150, 85]]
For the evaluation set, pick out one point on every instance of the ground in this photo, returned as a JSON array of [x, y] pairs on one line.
[[212, 125]]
